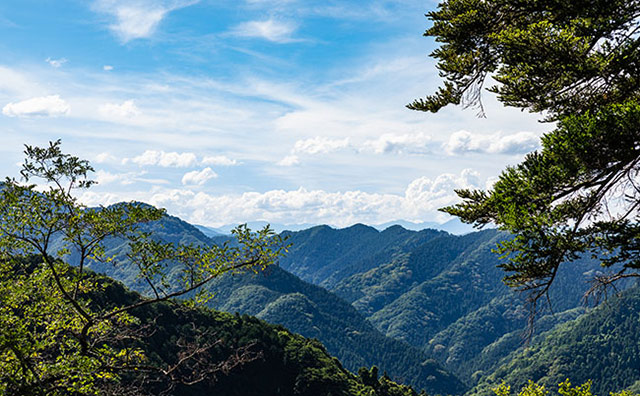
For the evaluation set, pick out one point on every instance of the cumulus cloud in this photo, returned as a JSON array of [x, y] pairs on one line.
[[271, 29], [44, 106], [320, 145], [107, 67], [419, 202], [442, 186], [164, 159], [134, 19], [56, 62], [126, 109], [289, 160], [400, 144], [199, 177], [219, 160], [518, 143]]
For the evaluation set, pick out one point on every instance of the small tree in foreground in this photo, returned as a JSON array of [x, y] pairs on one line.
[[53, 338]]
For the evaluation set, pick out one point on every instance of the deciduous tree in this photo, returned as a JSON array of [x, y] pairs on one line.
[[53, 338]]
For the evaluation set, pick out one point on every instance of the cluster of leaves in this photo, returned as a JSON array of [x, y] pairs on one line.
[[564, 389], [38, 354], [577, 63], [559, 57]]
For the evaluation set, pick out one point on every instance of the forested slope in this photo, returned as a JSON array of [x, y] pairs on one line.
[[441, 293], [603, 345], [206, 352], [280, 297]]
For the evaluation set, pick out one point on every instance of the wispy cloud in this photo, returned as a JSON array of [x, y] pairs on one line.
[[417, 143], [278, 31], [320, 145], [289, 160], [56, 62], [44, 106], [104, 157], [126, 179], [221, 160], [125, 109], [164, 159], [7, 22], [135, 19]]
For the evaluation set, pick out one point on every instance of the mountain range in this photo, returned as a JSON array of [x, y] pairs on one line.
[[427, 307], [452, 226]]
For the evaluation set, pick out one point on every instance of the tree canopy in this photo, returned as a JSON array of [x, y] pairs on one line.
[[577, 63]]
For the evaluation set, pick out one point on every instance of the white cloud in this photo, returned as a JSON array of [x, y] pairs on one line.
[[442, 186], [104, 157], [136, 19], [399, 144], [107, 67], [320, 145], [270, 29], [44, 106], [219, 160], [199, 177], [518, 143], [126, 109], [56, 62], [104, 177], [289, 160], [419, 202], [164, 159]]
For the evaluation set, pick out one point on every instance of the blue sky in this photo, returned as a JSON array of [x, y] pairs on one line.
[[289, 111]]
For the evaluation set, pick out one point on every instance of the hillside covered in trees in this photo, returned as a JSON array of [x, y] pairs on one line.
[[442, 294]]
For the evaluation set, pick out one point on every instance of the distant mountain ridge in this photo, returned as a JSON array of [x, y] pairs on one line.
[[453, 226]]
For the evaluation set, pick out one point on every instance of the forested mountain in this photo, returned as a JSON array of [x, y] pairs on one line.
[[324, 255], [280, 297], [440, 293]]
